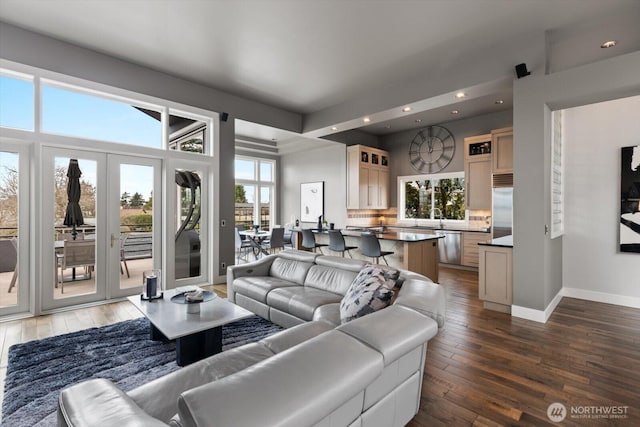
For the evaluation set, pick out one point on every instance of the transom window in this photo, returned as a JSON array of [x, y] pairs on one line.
[[431, 197]]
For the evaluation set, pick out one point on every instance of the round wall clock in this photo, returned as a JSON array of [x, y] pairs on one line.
[[431, 150]]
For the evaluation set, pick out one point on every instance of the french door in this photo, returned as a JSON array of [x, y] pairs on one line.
[[14, 227], [103, 254]]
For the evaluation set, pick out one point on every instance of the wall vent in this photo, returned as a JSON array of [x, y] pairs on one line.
[[503, 180]]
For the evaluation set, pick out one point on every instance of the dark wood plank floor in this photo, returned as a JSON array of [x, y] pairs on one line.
[[486, 368]]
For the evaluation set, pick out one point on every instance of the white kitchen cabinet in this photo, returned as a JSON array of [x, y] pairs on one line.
[[470, 249], [502, 150], [477, 171], [367, 178]]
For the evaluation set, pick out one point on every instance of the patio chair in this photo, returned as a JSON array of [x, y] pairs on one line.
[[14, 245], [123, 259], [77, 253]]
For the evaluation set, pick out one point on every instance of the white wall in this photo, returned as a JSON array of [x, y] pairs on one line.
[[591, 260], [328, 164]]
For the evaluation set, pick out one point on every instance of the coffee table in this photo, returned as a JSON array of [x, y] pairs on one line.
[[197, 335]]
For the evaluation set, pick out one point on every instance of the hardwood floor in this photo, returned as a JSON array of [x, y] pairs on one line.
[[485, 368]]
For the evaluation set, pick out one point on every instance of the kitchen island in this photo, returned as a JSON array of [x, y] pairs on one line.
[[417, 252]]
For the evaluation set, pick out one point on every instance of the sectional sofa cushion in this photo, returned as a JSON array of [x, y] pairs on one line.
[[258, 287], [300, 301], [371, 290]]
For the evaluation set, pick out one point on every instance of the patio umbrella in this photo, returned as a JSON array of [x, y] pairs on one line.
[[73, 216]]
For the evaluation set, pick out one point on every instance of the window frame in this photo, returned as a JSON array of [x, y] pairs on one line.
[[258, 183], [431, 221]]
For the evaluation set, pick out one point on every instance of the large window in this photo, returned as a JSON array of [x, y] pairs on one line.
[[254, 192], [16, 101], [431, 197]]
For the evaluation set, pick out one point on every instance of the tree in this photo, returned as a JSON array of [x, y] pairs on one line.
[[241, 195], [136, 200], [8, 199], [148, 205], [124, 200]]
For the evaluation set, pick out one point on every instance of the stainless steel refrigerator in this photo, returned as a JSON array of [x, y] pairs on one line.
[[502, 212]]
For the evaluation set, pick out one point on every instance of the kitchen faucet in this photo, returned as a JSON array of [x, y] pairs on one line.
[[439, 215]]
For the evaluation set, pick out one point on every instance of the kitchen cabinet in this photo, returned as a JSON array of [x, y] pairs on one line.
[[495, 284], [502, 150], [477, 171], [470, 250], [367, 178]]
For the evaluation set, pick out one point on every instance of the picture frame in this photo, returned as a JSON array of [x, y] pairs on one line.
[[630, 200], [311, 201]]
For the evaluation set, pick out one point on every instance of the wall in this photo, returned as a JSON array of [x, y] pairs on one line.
[[398, 145], [328, 164], [537, 259], [593, 135]]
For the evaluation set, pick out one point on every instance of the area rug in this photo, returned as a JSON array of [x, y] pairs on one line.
[[122, 352]]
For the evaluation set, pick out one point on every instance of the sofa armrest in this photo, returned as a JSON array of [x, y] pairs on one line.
[[425, 297], [100, 402], [260, 267]]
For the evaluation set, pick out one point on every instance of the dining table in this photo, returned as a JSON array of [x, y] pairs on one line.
[[256, 238]]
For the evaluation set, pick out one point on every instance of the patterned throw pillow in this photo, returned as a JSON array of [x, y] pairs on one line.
[[370, 291]]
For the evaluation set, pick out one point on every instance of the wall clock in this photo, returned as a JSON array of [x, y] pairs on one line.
[[431, 150]]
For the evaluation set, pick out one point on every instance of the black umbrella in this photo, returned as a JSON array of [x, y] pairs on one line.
[[74, 213]]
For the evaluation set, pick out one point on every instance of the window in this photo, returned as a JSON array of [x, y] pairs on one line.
[[188, 133], [254, 192], [72, 113], [16, 101], [432, 197], [557, 182]]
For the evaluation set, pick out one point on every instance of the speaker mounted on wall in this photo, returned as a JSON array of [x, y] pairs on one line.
[[224, 117], [521, 70]]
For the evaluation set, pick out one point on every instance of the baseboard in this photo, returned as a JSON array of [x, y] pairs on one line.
[[540, 316], [625, 301]]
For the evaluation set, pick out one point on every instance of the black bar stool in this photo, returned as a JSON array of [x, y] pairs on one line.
[[371, 248], [337, 244], [309, 241]]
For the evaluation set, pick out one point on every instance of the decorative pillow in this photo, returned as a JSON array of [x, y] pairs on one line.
[[370, 291]]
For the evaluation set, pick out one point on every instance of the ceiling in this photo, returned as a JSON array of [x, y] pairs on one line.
[[315, 57]]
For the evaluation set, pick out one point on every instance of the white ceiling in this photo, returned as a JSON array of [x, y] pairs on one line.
[[307, 56]]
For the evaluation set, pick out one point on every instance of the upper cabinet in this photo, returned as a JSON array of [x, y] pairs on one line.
[[477, 171], [502, 150], [367, 178]]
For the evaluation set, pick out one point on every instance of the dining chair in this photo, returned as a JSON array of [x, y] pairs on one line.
[[288, 237], [309, 241], [14, 277], [77, 253], [275, 240], [337, 244], [242, 245], [371, 248]]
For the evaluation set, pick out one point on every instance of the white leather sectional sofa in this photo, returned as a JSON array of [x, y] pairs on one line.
[[367, 372]]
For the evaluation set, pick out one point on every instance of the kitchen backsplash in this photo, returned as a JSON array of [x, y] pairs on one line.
[[373, 217]]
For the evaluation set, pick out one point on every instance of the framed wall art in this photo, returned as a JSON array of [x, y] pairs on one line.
[[311, 201], [630, 200]]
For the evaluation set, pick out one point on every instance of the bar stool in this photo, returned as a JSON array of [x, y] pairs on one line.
[[337, 244], [309, 241], [371, 248]]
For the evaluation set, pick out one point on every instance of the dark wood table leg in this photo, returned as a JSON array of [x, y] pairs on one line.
[[156, 335], [198, 346]]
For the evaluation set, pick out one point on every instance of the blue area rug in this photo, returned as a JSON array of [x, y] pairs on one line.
[[122, 352]]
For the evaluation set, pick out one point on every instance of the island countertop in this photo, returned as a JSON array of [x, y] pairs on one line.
[[505, 242], [398, 236]]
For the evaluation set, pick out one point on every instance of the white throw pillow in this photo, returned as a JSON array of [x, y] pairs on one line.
[[370, 291]]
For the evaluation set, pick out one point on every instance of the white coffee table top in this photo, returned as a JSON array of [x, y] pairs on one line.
[[174, 322]]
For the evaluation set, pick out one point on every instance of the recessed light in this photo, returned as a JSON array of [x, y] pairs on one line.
[[387, 127], [608, 43], [499, 101], [406, 109], [455, 112], [334, 128], [366, 120], [460, 95], [418, 120]]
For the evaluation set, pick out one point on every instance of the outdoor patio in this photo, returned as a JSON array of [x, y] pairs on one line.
[[79, 286]]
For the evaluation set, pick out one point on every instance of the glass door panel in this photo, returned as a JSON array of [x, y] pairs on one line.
[[189, 212], [13, 237], [73, 227], [135, 211]]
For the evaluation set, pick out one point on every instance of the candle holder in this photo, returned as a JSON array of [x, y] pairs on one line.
[[152, 285]]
